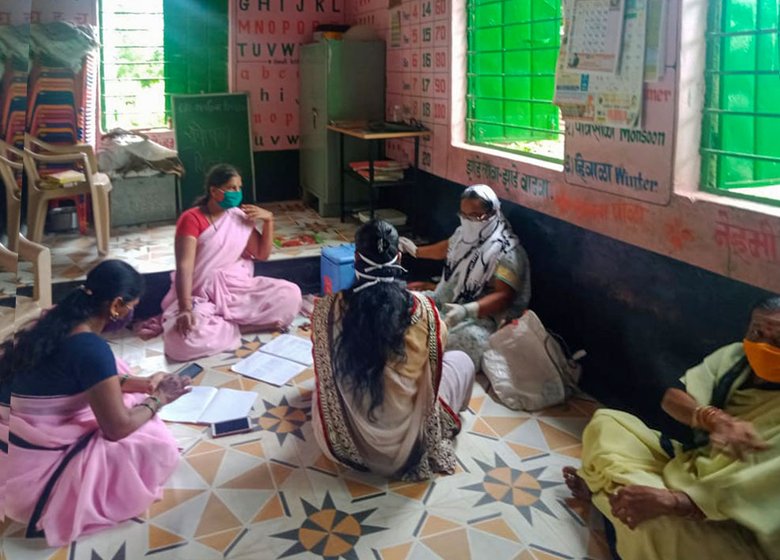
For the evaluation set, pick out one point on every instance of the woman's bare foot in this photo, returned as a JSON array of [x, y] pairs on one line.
[[634, 504], [577, 486]]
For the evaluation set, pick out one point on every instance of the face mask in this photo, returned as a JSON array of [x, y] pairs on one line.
[[231, 199], [119, 324], [764, 359], [472, 229]]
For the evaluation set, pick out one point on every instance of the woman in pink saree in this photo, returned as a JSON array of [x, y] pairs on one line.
[[215, 295], [85, 448]]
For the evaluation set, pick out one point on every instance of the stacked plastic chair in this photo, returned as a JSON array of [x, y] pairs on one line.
[[52, 118], [14, 108]]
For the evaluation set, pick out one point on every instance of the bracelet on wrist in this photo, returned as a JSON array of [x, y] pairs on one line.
[[123, 379], [156, 400], [706, 417], [147, 405]]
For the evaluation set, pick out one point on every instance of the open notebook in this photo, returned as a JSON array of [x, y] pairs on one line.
[[277, 361], [206, 405]]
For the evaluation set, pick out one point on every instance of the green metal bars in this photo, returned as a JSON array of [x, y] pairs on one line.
[[741, 118], [512, 52]]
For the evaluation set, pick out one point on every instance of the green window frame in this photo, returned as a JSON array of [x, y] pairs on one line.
[[192, 58], [512, 53], [132, 68], [741, 116]]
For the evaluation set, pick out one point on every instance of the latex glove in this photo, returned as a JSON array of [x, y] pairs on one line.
[[457, 312], [406, 245]]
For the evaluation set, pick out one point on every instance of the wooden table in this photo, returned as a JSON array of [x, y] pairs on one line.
[[373, 137]]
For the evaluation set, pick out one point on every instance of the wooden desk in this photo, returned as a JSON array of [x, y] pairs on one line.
[[373, 137]]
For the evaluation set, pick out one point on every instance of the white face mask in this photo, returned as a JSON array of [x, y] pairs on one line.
[[472, 229]]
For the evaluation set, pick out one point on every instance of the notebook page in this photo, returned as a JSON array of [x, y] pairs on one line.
[[228, 404], [268, 368], [290, 347], [189, 407]]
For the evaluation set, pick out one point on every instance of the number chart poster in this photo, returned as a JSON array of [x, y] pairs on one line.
[[418, 75], [265, 37]]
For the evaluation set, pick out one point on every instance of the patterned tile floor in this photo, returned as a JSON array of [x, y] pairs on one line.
[[298, 232], [271, 493]]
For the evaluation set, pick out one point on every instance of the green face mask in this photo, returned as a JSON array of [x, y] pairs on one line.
[[231, 199]]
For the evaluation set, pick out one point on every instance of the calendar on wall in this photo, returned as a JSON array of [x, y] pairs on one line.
[[611, 154], [583, 91]]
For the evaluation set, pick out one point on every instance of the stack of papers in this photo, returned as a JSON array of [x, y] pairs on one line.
[[207, 405], [384, 170], [278, 361]]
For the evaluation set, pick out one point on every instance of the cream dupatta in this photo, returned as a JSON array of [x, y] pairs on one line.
[[425, 448]]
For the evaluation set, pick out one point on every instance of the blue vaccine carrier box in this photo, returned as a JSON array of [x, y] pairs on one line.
[[337, 268]]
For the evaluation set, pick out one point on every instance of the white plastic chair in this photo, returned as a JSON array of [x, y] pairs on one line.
[[10, 163], [96, 185], [27, 308]]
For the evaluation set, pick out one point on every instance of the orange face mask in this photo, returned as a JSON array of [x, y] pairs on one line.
[[764, 359]]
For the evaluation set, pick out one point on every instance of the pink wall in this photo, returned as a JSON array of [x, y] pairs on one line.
[[734, 238]]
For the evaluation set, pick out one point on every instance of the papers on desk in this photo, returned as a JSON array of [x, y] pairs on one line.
[[207, 405], [277, 361]]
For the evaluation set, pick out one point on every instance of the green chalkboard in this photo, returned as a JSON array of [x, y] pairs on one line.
[[212, 128]]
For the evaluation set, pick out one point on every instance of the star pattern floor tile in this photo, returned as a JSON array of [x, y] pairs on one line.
[[272, 494]]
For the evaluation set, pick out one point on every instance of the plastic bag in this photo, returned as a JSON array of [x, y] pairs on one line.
[[527, 366]]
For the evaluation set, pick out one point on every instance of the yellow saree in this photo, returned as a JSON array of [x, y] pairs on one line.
[[741, 499]]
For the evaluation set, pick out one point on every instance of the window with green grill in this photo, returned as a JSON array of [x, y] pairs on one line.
[[512, 51], [132, 64], [741, 118]]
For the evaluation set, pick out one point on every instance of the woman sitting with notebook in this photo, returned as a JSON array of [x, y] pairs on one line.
[[85, 449], [215, 295], [387, 395]]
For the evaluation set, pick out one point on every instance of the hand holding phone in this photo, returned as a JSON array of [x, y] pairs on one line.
[[191, 370], [231, 427]]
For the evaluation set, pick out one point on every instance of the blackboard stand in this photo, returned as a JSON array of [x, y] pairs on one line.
[[211, 129]]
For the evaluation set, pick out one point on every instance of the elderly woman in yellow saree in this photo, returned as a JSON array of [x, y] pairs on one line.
[[718, 497]]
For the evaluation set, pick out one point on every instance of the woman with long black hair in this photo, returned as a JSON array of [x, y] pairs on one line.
[[86, 449], [387, 397]]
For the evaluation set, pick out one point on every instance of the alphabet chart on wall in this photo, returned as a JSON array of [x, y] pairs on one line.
[[265, 40], [418, 78]]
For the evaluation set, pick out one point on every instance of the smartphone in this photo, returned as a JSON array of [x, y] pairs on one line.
[[230, 427], [190, 371]]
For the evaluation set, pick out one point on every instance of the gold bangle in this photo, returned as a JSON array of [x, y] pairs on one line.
[[705, 417]]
